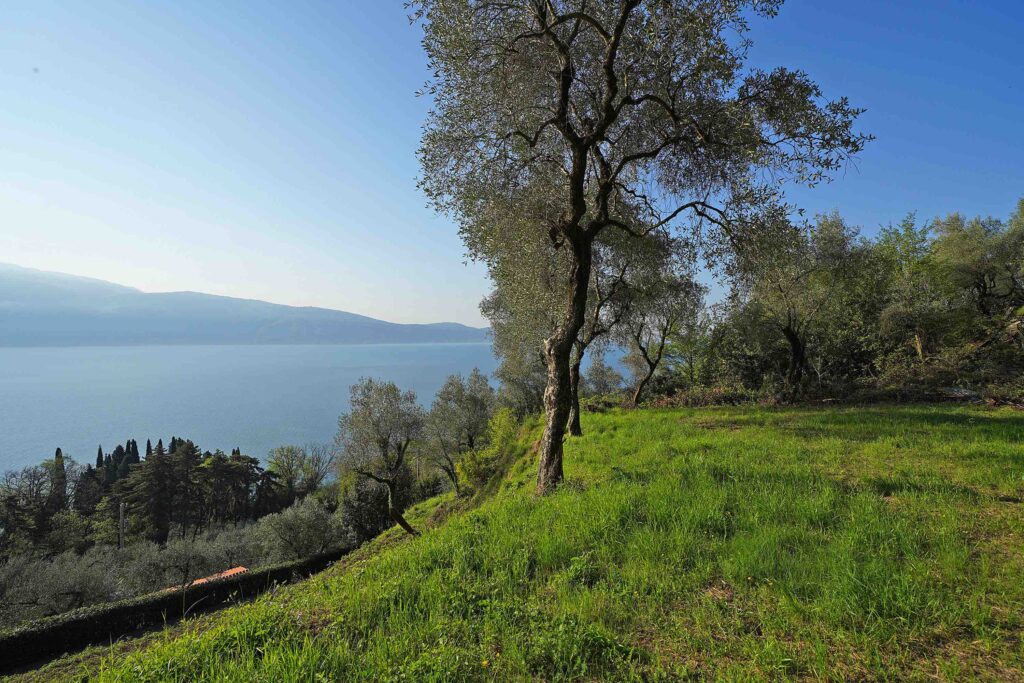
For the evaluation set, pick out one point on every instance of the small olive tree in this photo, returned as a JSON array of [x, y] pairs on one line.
[[601, 379], [517, 335], [458, 421], [375, 437], [301, 531], [661, 306]]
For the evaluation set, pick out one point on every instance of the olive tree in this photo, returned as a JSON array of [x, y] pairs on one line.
[[662, 305], [529, 284], [557, 120], [601, 379], [981, 262], [915, 307], [302, 530], [458, 420], [796, 277], [375, 436]]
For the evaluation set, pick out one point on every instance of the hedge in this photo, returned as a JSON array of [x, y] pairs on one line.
[[55, 636]]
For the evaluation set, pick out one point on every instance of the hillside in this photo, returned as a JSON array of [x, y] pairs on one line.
[[39, 308], [845, 544]]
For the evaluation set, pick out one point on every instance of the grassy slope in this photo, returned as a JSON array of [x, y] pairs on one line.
[[723, 543]]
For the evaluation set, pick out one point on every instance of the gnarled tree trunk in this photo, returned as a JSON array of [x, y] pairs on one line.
[[558, 355], [394, 513], [641, 385], [575, 428], [797, 360], [919, 345]]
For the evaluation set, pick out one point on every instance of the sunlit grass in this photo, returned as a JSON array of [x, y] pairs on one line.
[[878, 543]]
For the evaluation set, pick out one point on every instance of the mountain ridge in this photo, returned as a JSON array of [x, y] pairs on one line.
[[45, 308]]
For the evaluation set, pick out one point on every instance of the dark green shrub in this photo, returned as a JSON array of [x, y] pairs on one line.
[[364, 504]]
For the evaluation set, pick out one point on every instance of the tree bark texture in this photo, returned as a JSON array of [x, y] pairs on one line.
[[558, 355]]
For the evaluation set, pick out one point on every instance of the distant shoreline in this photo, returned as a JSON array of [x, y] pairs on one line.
[[159, 345], [41, 309]]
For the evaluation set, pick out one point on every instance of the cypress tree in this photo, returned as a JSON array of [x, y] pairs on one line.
[[99, 457], [185, 463], [135, 453], [115, 462], [57, 499], [149, 448]]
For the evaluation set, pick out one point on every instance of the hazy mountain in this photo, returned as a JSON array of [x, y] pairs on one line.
[[39, 308]]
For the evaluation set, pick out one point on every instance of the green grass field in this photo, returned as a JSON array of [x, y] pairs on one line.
[[879, 543]]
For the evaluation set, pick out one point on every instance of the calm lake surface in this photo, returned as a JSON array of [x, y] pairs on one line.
[[252, 397]]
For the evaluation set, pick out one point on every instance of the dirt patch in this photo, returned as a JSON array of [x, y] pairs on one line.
[[315, 621], [720, 591]]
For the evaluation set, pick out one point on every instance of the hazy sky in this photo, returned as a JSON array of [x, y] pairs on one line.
[[267, 149]]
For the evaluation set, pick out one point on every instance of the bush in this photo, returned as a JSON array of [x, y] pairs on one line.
[[478, 467], [1009, 393], [238, 546], [428, 486], [304, 529], [601, 404], [700, 396]]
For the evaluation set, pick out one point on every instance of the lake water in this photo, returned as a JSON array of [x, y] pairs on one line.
[[252, 397]]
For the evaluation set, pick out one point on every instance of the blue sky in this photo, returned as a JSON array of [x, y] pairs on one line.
[[267, 149]]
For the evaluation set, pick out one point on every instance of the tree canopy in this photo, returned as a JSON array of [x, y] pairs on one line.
[[553, 121]]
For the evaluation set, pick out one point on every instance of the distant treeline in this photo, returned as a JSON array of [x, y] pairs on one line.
[[60, 505], [922, 306], [812, 311]]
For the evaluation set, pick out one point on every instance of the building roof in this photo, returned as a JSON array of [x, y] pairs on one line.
[[234, 571]]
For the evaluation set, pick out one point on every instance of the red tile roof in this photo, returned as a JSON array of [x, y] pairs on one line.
[[234, 571]]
